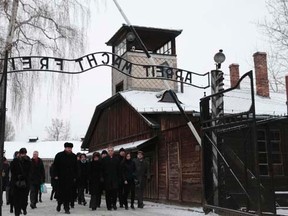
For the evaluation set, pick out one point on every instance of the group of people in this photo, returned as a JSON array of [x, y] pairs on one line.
[[21, 178], [73, 175]]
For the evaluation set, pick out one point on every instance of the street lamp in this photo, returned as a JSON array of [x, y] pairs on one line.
[[219, 58], [217, 109]]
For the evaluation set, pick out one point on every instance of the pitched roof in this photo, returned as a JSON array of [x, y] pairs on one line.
[[238, 100], [235, 101], [98, 111], [160, 36]]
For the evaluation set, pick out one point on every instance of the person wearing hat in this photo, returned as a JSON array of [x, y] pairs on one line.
[[20, 169], [122, 154], [104, 153], [11, 199], [141, 170], [65, 172]]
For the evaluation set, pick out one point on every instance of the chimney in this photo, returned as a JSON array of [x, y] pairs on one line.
[[33, 139], [234, 75], [261, 74]]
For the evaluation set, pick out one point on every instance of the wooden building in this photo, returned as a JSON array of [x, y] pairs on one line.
[[169, 146], [140, 115]]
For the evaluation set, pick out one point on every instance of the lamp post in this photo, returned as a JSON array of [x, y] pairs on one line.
[[217, 111], [219, 58]]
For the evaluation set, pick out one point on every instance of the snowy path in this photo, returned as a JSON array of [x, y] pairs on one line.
[[48, 208]]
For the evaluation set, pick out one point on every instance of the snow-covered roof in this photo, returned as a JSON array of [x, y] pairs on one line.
[[46, 149], [238, 100], [126, 146]]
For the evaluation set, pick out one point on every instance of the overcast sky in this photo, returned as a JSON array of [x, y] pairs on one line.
[[207, 25]]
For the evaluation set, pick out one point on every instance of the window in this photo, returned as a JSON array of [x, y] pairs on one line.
[[166, 49], [262, 152], [121, 48], [277, 159], [276, 155]]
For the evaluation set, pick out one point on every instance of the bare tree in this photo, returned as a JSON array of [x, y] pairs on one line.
[[31, 27], [59, 130], [9, 130], [275, 27]]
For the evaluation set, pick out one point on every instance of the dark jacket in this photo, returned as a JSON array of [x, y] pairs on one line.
[[20, 169], [37, 173], [128, 170], [83, 174], [120, 160], [95, 177], [110, 171], [141, 171], [52, 175], [5, 176], [65, 168]]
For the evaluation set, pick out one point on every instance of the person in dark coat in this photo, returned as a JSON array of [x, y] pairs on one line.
[[6, 179], [122, 154], [82, 178], [11, 197], [104, 154], [95, 177], [53, 181], [20, 170], [110, 168], [140, 177], [65, 168], [128, 170], [37, 177], [75, 186]]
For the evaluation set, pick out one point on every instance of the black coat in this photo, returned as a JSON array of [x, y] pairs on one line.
[[52, 175], [95, 177], [110, 170], [82, 174], [121, 159], [65, 168], [37, 173], [128, 170], [141, 171], [5, 176], [20, 169]]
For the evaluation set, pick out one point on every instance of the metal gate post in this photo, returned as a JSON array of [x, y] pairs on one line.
[[217, 111], [3, 82]]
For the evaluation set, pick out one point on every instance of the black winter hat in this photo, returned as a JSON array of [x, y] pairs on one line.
[[122, 149], [104, 152], [68, 144], [23, 151]]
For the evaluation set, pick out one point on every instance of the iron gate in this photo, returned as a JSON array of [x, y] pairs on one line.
[[231, 177]]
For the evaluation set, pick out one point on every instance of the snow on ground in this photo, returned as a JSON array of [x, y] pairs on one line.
[[48, 208]]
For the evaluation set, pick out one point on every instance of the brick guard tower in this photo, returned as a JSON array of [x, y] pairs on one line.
[[160, 44]]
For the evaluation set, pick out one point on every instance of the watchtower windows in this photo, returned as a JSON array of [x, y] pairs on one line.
[[121, 48], [166, 49]]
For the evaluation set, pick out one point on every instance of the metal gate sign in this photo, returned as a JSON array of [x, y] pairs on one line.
[[97, 59]]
